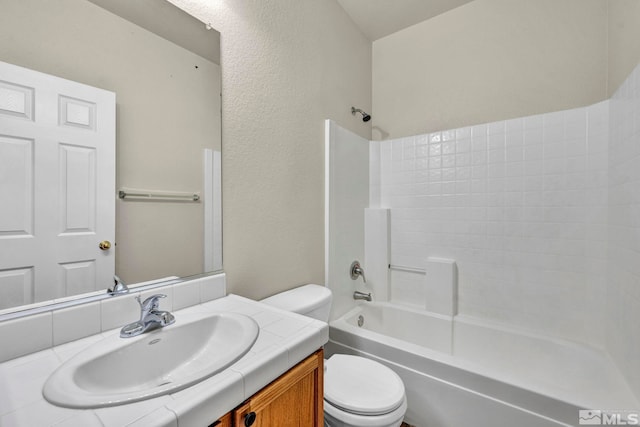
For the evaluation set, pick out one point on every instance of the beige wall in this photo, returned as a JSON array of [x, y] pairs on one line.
[[490, 60], [287, 65], [624, 40], [163, 119]]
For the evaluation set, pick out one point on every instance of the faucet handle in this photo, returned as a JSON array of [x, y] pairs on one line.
[[150, 303], [357, 270], [119, 287]]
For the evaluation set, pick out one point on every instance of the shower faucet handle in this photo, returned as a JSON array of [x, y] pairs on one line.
[[356, 270]]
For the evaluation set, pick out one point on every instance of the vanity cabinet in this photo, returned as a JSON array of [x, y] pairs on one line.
[[295, 399], [225, 421]]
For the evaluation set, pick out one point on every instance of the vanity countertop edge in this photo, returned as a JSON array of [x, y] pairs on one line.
[[284, 340]]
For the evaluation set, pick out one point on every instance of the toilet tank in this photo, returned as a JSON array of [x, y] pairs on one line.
[[310, 300]]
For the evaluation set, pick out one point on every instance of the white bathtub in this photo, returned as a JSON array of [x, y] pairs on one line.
[[463, 371]]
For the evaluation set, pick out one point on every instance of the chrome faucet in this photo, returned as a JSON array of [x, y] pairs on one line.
[[356, 270], [119, 287], [357, 295], [150, 317]]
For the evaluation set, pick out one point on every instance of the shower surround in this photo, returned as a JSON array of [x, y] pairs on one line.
[[520, 205], [541, 215], [622, 315]]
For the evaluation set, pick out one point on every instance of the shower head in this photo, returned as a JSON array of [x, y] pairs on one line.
[[365, 117]]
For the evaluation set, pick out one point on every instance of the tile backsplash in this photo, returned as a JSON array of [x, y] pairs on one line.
[[24, 335]]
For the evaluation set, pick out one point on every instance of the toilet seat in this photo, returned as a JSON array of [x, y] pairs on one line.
[[336, 417], [361, 386]]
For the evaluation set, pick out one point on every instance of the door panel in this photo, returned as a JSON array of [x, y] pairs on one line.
[[77, 276], [17, 286], [77, 189], [16, 100], [57, 186], [16, 192]]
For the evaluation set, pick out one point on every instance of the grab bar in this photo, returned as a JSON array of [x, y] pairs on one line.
[[156, 195], [407, 269]]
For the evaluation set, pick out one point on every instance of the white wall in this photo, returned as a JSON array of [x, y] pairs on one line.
[[347, 172], [287, 65], [623, 298], [520, 205], [623, 290], [490, 60]]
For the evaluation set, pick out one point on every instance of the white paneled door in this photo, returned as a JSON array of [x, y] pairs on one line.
[[57, 187]]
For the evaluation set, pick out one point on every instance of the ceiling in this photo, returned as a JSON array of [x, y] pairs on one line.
[[379, 18]]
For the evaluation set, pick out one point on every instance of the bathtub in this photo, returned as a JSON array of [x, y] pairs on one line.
[[464, 371]]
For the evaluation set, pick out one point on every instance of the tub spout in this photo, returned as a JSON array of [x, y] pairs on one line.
[[357, 295]]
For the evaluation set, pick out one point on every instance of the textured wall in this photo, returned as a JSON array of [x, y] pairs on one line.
[[286, 66], [490, 60]]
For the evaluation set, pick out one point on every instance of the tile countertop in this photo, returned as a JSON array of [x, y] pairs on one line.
[[284, 340]]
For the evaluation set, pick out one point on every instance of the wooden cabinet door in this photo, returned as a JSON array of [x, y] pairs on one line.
[[293, 400], [225, 421]]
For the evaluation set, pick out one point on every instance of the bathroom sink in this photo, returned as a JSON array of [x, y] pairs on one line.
[[116, 371]]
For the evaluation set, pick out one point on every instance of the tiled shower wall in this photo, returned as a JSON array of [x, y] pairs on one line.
[[520, 205], [623, 286]]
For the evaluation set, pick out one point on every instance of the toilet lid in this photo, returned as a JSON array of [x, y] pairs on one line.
[[361, 386]]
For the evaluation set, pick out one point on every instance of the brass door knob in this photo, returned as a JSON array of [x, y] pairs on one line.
[[105, 245]]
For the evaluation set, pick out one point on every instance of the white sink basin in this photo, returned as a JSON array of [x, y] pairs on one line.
[[116, 371]]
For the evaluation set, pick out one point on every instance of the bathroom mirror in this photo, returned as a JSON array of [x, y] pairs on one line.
[[163, 66]]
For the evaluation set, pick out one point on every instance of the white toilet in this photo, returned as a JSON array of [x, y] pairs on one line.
[[358, 392]]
